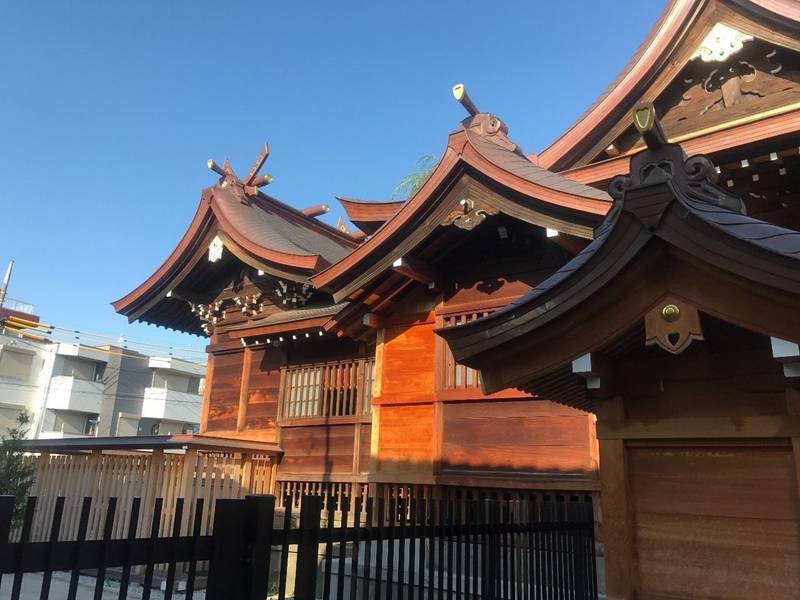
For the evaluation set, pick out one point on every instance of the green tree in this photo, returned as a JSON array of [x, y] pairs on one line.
[[413, 181], [16, 477]]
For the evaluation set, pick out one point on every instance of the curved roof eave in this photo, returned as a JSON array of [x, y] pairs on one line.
[[655, 51], [369, 210], [464, 148], [186, 247], [211, 218]]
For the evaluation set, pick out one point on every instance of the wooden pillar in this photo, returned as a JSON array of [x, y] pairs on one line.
[[244, 389], [273, 475], [377, 384], [438, 437], [247, 474], [357, 448], [188, 466], [793, 409], [206, 394], [615, 498], [149, 501]]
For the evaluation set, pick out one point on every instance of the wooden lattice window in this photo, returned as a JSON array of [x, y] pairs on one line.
[[457, 376], [330, 389]]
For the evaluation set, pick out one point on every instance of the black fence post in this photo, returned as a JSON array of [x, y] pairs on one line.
[[261, 517], [225, 571], [308, 548], [242, 536]]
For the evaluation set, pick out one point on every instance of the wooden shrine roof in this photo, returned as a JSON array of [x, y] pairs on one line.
[[369, 215], [669, 200], [257, 229], [682, 22], [480, 149]]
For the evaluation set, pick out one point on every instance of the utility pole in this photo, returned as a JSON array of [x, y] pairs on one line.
[[6, 280]]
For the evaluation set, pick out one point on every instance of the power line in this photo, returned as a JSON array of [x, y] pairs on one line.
[[77, 334], [178, 357]]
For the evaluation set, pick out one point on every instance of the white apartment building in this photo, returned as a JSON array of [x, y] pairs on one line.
[[74, 390]]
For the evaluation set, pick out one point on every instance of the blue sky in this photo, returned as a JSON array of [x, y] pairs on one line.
[[109, 111]]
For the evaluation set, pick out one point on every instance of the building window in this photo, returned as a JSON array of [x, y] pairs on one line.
[[457, 376], [15, 364], [91, 424], [330, 389]]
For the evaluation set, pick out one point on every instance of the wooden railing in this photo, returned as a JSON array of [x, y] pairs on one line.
[[458, 376], [206, 476], [330, 389]]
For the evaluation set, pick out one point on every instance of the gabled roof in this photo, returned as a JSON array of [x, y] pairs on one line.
[[481, 150], [668, 202], [671, 44], [369, 215], [257, 229]]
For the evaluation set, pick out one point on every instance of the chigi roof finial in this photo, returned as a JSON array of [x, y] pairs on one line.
[[460, 94], [692, 179], [250, 184], [646, 122]]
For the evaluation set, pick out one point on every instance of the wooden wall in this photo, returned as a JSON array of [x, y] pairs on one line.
[[519, 438], [263, 392], [321, 449], [701, 473], [243, 402], [226, 381], [429, 434]]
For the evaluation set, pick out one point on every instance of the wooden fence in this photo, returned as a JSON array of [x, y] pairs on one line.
[[191, 475], [486, 547]]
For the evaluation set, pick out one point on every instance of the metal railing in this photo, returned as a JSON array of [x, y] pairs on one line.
[[463, 547]]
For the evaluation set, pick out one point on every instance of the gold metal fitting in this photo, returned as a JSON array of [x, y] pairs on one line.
[[671, 312]]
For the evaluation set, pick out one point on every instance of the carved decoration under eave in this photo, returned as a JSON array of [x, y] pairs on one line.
[[250, 305], [469, 214], [758, 77], [215, 249], [721, 43], [672, 325], [293, 293], [209, 314]]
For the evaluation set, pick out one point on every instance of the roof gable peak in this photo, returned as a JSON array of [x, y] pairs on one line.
[[486, 125]]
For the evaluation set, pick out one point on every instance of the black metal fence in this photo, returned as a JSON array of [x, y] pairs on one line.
[[457, 548]]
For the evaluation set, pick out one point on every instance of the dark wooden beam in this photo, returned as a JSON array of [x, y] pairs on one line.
[[372, 320], [417, 270], [571, 243], [315, 211]]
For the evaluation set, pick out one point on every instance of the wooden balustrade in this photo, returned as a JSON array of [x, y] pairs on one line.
[[330, 389], [458, 376]]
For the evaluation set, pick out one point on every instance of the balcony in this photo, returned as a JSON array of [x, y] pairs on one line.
[[71, 393], [60, 435], [330, 389], [169, 405]]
